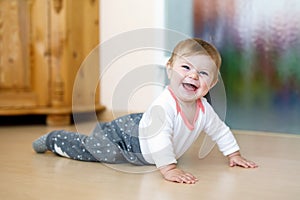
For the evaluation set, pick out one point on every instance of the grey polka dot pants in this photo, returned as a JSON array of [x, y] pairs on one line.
[[110, 142], [69, 144]]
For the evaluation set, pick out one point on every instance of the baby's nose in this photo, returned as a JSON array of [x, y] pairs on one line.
[[194, 75]]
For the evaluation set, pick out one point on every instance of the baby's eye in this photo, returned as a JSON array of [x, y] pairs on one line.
[[203, 73], [185, 67]]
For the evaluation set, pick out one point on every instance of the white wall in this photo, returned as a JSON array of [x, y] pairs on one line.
[[117, 17]]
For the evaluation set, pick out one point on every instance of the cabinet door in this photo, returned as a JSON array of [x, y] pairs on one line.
[[23, 54], [17, 75]]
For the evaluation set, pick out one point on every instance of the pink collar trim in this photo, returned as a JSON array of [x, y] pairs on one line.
[[178, 108]]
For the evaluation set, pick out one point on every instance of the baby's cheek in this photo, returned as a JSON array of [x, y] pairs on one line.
[[204, 90], [205, 85]]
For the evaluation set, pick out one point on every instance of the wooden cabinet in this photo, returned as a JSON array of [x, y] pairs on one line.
[[42, 46]]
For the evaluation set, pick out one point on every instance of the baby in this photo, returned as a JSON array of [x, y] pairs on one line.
[[162, 134]]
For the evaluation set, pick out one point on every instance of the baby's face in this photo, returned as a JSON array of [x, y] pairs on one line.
[[191, 77]]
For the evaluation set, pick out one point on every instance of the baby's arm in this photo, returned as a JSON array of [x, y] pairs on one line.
[[174, 174], [235, 159]]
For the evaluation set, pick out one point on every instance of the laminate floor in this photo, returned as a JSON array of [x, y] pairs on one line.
[[27, 175]]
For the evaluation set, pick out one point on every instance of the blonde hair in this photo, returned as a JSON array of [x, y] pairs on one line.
[[196, 46]]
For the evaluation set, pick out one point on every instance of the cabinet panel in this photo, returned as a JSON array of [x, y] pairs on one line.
[[15, 67], [14, 41], [42, 45]]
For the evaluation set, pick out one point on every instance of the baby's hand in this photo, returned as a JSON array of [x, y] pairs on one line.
[[172, 173], [235, 159]]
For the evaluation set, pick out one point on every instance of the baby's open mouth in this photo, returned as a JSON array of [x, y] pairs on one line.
[[190, 87]]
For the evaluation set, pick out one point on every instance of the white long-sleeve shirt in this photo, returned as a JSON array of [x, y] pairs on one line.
[[165, 133]]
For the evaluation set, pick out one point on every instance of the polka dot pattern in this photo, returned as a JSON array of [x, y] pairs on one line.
[[110, 142]]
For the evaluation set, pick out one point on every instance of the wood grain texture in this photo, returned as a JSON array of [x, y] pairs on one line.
[[27, 175], [43, 44]]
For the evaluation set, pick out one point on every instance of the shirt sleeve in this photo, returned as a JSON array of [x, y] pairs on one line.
[[158, 133], [220, 132]]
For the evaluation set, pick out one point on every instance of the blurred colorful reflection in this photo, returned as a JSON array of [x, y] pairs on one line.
[[259, 41]]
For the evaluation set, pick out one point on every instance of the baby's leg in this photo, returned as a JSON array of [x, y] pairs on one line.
[[64, 143]]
